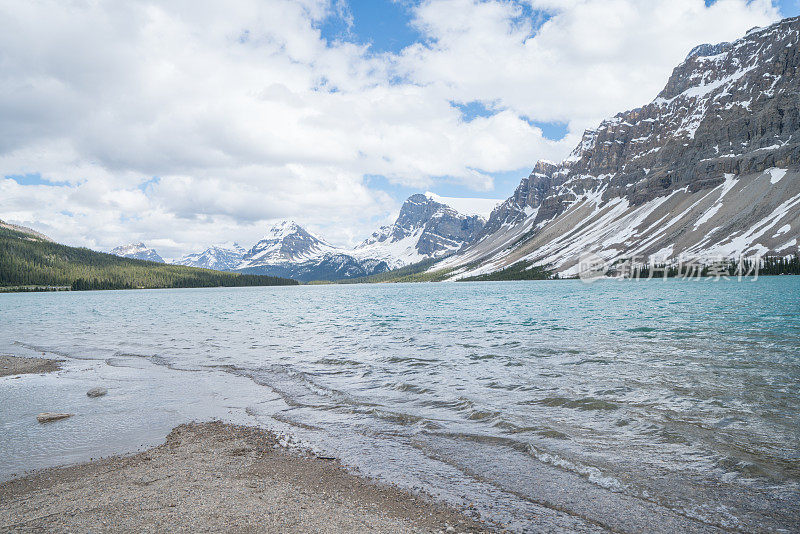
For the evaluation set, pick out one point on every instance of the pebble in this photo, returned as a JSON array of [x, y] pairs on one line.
[[46, 417]]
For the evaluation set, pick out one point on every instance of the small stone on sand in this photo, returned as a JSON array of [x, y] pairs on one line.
[[96, 392]]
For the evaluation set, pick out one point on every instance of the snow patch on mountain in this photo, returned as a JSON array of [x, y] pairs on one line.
[[285, 242], [222, 257], [425, 228], [137, 251]]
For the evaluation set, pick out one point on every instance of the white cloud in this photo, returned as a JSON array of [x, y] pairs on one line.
[[591, 59], [244, 113], [469, 206]]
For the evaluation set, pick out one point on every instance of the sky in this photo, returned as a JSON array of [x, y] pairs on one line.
[[190, 122]]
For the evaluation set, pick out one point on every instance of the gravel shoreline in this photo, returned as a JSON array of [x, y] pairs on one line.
[[217, 477], [18, 365]]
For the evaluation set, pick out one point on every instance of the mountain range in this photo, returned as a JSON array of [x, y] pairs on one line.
[[216, 257], [137, 251], [425, 228]]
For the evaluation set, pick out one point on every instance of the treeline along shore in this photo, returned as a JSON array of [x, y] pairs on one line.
[[29, 263]]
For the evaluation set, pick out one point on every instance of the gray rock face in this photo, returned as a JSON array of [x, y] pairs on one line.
[[433, 229], [708, 50], [137, 251], [729, 111], [96, 392]]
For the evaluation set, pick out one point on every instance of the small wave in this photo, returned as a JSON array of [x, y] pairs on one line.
[[400, 418], [510, 428], [593, 360], [411, 388], [586, 403], [458, 405], [338, 361], [480, 357], [507, 387], [641, 329], [552, 434], [480, 415], [411, 361], [116, 361], [593, 474]]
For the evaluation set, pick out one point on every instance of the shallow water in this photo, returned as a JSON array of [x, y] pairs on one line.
[[630, 406]]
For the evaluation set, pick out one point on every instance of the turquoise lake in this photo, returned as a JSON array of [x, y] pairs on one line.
[[627, 406]]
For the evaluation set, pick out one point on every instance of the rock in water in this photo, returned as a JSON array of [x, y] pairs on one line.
[[96, 392], [46, 417]]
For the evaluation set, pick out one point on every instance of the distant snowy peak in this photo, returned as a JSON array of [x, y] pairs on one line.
[[287, 242], [425, 228], [291, 251], [137, 251], [284, 229], [216, 257]]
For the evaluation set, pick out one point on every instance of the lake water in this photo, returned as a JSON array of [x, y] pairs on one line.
[[657, 406]]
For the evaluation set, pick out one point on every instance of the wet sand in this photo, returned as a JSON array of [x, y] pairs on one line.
[[217, 477], [17, 365]]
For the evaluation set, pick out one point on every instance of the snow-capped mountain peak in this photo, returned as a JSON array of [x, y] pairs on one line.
[[286, 241], [138, 251], [425, 228], [290, 250], [284, 229], [222, 257]]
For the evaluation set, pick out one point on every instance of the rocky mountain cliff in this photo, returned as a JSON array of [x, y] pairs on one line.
[[216, 257], [424, 229], [137, 251], [708, 169]]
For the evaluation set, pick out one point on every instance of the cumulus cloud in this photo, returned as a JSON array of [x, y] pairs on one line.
[[184, 123], [589, 59]]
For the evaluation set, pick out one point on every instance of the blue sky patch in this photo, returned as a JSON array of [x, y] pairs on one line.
[[383, 24], [504, 184], [555, 131], [34, 178], [471, 110], [144, 185]]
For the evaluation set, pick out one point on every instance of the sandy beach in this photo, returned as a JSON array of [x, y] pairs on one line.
[[213, 477], [216, 477], [17, 365]]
